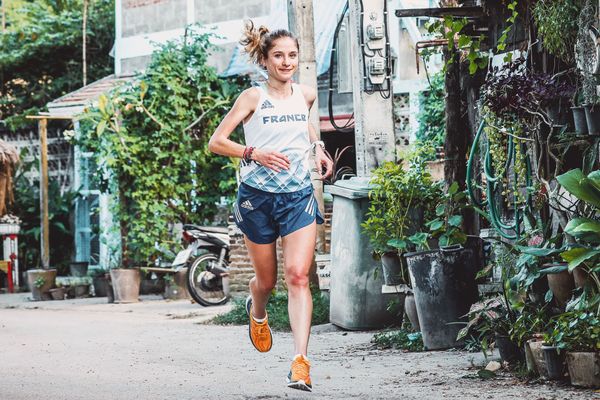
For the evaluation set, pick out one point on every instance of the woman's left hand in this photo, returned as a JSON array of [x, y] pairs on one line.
[[323, 163]]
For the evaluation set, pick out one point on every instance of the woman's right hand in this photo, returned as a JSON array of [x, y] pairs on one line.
[[271, 159]]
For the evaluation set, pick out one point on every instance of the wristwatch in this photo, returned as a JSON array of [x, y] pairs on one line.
[[318, 143]]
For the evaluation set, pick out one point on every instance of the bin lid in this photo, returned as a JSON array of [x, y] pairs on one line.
[[353, 188]]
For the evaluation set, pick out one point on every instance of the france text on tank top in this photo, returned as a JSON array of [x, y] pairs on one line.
[[280, 125]]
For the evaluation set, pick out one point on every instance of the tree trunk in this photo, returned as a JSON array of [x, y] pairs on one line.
[[457, 133]]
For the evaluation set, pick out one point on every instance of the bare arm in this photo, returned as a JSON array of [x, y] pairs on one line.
[[322, 160], [220, 143]]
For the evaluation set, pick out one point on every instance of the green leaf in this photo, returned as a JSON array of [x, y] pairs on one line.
[[486, 374], [578, 255], [537, 251], [100, 128], [440, 210], [576, 183], [436, 224], [455, 220], [548, 296], [584, 228], [397, 243], [453, 188]]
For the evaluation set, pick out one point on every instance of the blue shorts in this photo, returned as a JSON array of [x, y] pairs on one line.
[[264, 216]]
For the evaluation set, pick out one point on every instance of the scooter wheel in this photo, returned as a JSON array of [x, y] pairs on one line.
[[205, 287]]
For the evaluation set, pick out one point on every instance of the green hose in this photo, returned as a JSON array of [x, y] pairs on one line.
[[510, 231]]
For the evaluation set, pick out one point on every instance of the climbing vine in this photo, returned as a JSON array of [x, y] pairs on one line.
[[453, 30], [150, 140]]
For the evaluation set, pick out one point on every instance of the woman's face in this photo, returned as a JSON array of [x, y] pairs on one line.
[[282, 59]]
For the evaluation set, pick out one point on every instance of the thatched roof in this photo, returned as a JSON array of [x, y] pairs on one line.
[[8, 154]]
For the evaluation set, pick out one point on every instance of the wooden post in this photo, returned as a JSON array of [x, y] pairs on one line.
[[457, 130], [45, 244], [301, 23]]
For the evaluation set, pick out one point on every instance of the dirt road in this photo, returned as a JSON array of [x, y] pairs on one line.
[[90, 350]]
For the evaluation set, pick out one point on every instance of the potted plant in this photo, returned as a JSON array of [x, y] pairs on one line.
[[578, 333], [40, 282], [578, 111], [443, 279], [59, 292], [489, 322], [402, 196]]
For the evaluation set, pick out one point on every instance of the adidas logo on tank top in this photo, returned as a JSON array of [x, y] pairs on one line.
[[280, 125]]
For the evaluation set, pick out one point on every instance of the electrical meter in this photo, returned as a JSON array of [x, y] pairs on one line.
[[377, 68]]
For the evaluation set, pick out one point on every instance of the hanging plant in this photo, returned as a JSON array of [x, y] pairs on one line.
[[557, 26]]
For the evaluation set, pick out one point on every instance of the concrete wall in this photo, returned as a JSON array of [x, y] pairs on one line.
[[211, 11], [140, 22], [144, 16]]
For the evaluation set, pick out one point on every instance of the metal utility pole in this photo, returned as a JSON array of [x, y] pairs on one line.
[[371, 85], [301, 23]]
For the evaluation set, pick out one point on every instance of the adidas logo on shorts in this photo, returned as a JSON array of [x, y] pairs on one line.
[[266, 104], [247, 204]]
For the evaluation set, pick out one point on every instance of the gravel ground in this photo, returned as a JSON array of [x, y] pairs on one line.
[[157, 349]]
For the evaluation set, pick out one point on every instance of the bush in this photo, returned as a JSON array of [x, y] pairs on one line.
[[277, 311], [432, 123]]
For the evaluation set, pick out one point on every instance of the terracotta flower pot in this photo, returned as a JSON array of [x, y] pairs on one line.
[[126, 285], [561, 285], [535, 347], [584, 369], [42, 292], [581, 277]]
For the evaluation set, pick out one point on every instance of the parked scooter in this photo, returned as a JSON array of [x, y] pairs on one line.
[[207, 259]]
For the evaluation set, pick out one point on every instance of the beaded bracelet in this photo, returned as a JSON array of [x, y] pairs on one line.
[[247, 156]]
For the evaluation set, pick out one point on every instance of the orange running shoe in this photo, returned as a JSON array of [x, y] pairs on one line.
[[260, 333], [299, 376]]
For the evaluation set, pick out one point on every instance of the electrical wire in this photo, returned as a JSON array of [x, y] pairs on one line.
[[348, 126]]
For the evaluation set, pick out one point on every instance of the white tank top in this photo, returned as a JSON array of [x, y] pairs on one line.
[[280, 125]]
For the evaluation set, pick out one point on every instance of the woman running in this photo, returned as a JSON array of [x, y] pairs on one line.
[[275, 197]]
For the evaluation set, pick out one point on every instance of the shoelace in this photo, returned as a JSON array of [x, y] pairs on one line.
[[262, 331], [300, 369]]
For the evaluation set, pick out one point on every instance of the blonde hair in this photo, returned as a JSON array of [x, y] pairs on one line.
[[258, 41]]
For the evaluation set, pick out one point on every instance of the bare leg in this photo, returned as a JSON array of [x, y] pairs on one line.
[[264, 261], [298, 252]]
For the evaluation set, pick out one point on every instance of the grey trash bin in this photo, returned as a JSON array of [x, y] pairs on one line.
[[356, 301]]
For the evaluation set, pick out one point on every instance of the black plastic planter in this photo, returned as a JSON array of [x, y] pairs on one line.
[[555, 362], [579, 120], [592, 116], [444, 287], [392, 268], [509, 351]]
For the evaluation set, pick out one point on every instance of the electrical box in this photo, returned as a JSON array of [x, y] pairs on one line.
[[377, 66]]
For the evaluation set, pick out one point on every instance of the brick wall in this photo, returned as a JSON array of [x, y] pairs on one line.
[[241, 270]]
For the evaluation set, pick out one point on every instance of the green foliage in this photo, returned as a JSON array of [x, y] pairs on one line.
[[556, 22], [432, 122], [586, 252], [41, 57], [401, 198], [453, 30], [39, 282], [27, 208], [277, 311], [448, 221], [576, 331], [150, 137], [399, 339]]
